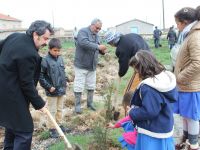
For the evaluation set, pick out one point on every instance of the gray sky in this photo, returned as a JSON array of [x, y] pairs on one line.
[[79, 13]]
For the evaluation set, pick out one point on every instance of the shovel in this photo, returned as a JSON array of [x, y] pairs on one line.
[[116, 93], [60, 132], [115, 111]]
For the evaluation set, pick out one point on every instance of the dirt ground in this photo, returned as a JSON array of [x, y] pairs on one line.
[[37, 144], [106, 72]]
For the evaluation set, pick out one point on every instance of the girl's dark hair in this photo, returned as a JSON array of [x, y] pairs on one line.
[[55, 43], [145, 63], [198, 13], [186, 14]]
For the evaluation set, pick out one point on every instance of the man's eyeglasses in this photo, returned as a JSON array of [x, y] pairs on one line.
[[98, 28]]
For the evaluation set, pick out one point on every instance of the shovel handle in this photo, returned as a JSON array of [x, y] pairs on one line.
[[116, 92], [60, 132]]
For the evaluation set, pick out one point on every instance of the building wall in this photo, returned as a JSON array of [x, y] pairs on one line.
[[4, 24], [112, 29], [5, 33], [69, 33], [59, 32], [135, 27]]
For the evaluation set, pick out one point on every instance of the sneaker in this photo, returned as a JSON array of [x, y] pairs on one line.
[[182, 146], [193, 146], [53, 133]]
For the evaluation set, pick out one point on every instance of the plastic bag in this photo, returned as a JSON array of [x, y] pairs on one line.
[[174, 52]]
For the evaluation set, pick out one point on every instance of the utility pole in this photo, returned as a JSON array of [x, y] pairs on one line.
[[52, 18], [163, 10]]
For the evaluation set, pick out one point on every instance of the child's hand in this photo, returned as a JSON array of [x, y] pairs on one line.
[[110, 125], [52, 89], [132, 107], [128, 108]]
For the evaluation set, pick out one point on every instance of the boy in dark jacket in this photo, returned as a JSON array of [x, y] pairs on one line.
[[53, 80]]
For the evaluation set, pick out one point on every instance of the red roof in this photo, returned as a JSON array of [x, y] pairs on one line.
[[8, 18]]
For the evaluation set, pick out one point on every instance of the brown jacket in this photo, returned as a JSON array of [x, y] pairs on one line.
[[187, 68]]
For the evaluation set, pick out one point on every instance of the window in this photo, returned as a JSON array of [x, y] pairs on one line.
[[134, 29]]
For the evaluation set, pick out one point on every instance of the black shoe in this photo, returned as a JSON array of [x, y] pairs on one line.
[[64, 129], [92, 108], [53, 133]]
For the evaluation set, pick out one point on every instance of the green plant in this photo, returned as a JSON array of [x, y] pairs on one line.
[[82, 140], [108, 102], [101, 134], [44, 135], [100, 137]]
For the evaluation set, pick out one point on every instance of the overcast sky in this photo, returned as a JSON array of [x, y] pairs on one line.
[[79, 13]]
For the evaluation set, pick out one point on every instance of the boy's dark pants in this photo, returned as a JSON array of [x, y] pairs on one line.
[[15, 140]]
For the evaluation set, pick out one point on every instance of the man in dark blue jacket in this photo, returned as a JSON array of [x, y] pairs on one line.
[[156, 35], [126, 47], [19, 74]]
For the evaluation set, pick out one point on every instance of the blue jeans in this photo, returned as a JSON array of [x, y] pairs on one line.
[[15, 140], [156, 42]]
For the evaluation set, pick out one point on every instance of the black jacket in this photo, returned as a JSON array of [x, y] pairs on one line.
[[127, 47], [19, 72], [53, 75]]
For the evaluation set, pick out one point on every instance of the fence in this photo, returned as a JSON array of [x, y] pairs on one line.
[[69, 37]]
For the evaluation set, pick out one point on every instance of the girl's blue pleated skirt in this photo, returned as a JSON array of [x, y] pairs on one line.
[[188, 105], [145, 142]]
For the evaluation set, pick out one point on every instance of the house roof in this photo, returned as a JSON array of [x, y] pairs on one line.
[[8, 18], [135, 20]]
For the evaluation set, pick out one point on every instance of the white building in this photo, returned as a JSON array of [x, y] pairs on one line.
[[135, 26], [8, 22]]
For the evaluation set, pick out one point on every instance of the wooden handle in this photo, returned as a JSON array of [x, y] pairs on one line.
[[60, 132], [116, 92]]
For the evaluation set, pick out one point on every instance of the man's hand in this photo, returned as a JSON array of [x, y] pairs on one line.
[[43, 109], [102, 48]]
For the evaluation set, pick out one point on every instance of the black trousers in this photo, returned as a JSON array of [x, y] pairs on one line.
[[15, 140]]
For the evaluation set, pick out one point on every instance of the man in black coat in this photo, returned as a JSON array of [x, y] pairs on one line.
[[19, 74], [126, 46]]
